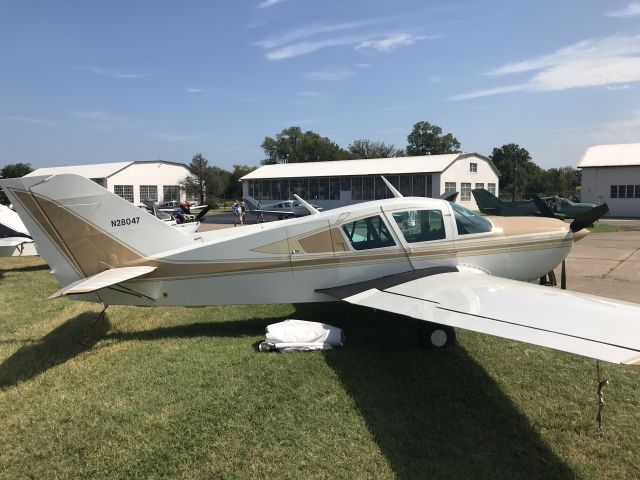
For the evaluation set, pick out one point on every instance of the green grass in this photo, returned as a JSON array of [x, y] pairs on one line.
[[605, 228], [181, 393]]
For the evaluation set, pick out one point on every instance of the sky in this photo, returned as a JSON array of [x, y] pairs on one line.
[[91, 81]]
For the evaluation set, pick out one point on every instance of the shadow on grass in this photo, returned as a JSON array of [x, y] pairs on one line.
[[434, 414], [29, 268], [57, 347], [231, 328]]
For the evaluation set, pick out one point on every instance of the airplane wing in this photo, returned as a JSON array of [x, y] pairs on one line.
[[281, 213], [583, 324], [14, 241], [103, 280]]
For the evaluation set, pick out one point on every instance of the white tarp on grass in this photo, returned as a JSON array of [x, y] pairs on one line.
[[300, 336]]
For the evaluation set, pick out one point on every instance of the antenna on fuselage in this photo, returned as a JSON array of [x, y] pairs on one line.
[[307, 205], [395, 192]]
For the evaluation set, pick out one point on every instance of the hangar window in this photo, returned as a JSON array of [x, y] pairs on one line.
[[630, 191], [420, 225], [124, 191], [170, 192], [468, 222], [368, 233], [465, 192], [449, 187], [621, 191], [479, 185], [614, 191], [419, 189], [491, 187], [473, 167], [100, 181], [637, 191], [149, 192]]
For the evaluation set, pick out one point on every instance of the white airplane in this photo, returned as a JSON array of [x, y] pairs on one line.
[[14, 238], [280, 210], [450, 269]]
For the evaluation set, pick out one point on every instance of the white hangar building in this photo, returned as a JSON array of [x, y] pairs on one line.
[[134, 181], [611, 175], [343, 182]]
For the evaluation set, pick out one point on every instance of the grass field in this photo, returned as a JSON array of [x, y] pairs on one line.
[[181, 393]]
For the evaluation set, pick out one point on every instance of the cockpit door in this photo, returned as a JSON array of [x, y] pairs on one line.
[[425, 234]]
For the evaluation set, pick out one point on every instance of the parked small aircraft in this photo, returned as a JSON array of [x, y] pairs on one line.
[[449, 269], [280, 210], [562, 208], [14, 237]]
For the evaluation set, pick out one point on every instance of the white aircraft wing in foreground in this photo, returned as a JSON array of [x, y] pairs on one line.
[[420, 257], [572, 322]]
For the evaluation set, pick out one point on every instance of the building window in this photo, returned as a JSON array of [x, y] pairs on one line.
[[419, 189], [368, 188], [170, 192], [124, 191], [614, 191], [479, 185], [630, 191], [356, 188], [406, 185], [473, 167], [622, 189], [637, 191], [149, 192], [100, 181], [465, 192], [449, 187], [368, 233], [491, 187]]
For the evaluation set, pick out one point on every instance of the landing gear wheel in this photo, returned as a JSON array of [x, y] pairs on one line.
[[433, 335]]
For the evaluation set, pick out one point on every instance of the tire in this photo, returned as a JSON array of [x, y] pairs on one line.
[[435, 336]]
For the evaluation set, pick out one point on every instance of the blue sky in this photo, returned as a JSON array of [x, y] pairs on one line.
[[98, 81]]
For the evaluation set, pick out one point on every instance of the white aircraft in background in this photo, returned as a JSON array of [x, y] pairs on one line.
[[14, 238], [449, 269], [280, 210]]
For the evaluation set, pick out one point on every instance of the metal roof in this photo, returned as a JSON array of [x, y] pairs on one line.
[[369, 166], [96, 170], [625, 154]]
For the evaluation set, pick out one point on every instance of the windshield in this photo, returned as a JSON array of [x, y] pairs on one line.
[[468, 222]]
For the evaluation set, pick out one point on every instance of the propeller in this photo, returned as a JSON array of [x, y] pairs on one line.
[[542, 206], [588, 218]]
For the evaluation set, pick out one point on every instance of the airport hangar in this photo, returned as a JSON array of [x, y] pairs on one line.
[[157, 180], [344, 182], [611, 175]]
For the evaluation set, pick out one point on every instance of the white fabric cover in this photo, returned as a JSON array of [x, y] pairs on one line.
[[299, 335]]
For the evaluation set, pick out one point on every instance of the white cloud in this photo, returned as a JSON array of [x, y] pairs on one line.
[[269, 3], [624, 86], [309, 94], [114, 74], [364, 35], [603, 62], [364, 65], [330, 75], [35, 121], [391, 42], [195, 91], [631, 10]]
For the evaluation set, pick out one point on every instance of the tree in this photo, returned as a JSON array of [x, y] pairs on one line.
[[562, 181], [195, 183], [365, 148], [292, 145], [427, 139], [234, 187], [517, 171], [15, 170]]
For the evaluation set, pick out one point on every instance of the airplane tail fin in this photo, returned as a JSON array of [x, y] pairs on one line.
[[82, 229], [485, 200], [251, 202]]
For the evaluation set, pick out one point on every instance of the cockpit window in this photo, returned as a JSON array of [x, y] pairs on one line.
[[468, 222], [420, 225], [367, 233]]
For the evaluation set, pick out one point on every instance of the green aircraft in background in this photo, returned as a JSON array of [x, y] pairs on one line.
[[559, 207]]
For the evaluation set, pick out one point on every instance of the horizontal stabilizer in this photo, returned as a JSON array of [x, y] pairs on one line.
[[103, 280], [587, 325]]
